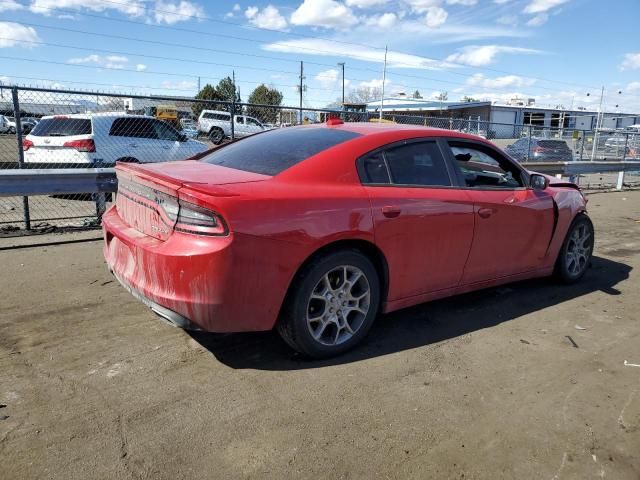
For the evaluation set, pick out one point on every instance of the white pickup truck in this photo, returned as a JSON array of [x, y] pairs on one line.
[[217, 125]]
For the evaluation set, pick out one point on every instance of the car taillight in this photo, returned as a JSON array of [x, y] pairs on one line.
[[26, 144], [190, 218], [81, 145]]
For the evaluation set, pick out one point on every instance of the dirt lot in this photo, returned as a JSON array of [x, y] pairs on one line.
[[487, 385]]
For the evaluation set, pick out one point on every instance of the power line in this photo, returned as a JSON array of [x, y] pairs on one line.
[[366, 59]]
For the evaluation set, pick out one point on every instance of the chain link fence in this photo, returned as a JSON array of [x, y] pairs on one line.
[[44, 128]]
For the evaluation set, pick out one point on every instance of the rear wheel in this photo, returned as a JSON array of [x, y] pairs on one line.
[[216, 135], [332, 304], [577, 249]]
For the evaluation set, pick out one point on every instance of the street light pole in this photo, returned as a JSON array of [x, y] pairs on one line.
[[341, 64]]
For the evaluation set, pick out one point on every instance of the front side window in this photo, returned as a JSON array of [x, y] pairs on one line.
[[482, 168], [252, 122], [165, 131]]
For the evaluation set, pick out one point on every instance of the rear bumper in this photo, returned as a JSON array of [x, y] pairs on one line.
[[234, 283]]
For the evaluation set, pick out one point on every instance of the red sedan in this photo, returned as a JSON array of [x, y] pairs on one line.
[[315, 230]]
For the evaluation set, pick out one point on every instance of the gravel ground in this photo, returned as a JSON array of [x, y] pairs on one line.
[[485, 385]]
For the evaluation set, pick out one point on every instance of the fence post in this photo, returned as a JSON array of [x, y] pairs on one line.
[[529, 144], [233, 118], [16, 114], [584, 134], [620, 182], [624, 150]]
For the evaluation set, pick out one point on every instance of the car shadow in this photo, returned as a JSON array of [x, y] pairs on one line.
[[421, 325]]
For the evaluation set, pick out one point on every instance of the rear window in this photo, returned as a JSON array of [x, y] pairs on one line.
[[552, 144], [274, 151], [62, 127]]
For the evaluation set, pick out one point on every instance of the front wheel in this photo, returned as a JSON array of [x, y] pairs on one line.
[[577, 249], [332, 304], [216, 135]]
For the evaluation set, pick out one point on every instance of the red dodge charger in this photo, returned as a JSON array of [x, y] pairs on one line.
[[315, 230]]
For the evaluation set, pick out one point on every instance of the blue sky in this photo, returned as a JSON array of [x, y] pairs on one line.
[[557, 51]]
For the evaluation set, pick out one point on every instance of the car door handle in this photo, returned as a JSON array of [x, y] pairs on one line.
[[133, 145], [166, 147], [486, 212], [391, 211]]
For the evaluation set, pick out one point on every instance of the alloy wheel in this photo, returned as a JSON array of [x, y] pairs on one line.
[[579, 249], [338, 305]]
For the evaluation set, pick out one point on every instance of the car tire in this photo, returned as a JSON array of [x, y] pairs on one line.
[[331, 305], [216, 135], [12, 130], [575, 254]]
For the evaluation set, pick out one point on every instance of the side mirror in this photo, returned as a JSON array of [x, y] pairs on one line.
[[538, 182]]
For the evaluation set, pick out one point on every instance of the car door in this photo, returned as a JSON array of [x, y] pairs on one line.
[[513, 223], [423, 224], [169, 141], [252, 125]]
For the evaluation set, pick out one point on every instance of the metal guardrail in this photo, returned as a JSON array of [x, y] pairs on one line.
[[58, 181], [570, 169]]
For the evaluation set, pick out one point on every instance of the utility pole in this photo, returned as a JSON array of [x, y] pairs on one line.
[[301, 88], [341, 64], [384, 79], [598, 123], [198, 84]]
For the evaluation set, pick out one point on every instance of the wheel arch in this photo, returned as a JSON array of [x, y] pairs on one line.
[[367, 248]]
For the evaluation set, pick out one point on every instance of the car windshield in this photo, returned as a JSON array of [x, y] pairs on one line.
[[62, 127], [274, 151]]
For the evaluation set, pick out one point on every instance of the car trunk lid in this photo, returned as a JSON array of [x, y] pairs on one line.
[[148, 195]]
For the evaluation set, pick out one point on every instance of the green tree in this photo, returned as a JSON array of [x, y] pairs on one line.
[[417, 95], [467, 99], [228, 92], [264, 95], [208, 92]]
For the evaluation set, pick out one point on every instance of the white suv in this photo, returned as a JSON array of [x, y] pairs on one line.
[[104, 138], [217, 125]]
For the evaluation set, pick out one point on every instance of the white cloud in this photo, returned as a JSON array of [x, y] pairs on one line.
[[375, 83], [365, 3], [141, 67], [314, 46], [507, 20], [181, 85], [269, 17], [631, 61], [501, 2], [540, 6], [468, 3], [633, 87], [539, 19], [10, 5], [384, 21], [134, 8], [482, 55], [331, 78], [507, 81], [421, 6], [323, 13], [170, 13], [435, 17], [109, 61], [17, 35]]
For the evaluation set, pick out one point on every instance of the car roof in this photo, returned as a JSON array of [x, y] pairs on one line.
[[401, 130], [94, 115]]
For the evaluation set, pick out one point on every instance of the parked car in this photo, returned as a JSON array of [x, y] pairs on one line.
[[617, 144], [4, 124], [106, 138], [26, 123], [314, 230], [540, 150], [217, 125]]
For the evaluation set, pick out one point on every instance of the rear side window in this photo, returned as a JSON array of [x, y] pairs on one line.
[[62, 127], [216, 116], [557, 144], [274, 151], [417, 163], [133, 127]]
